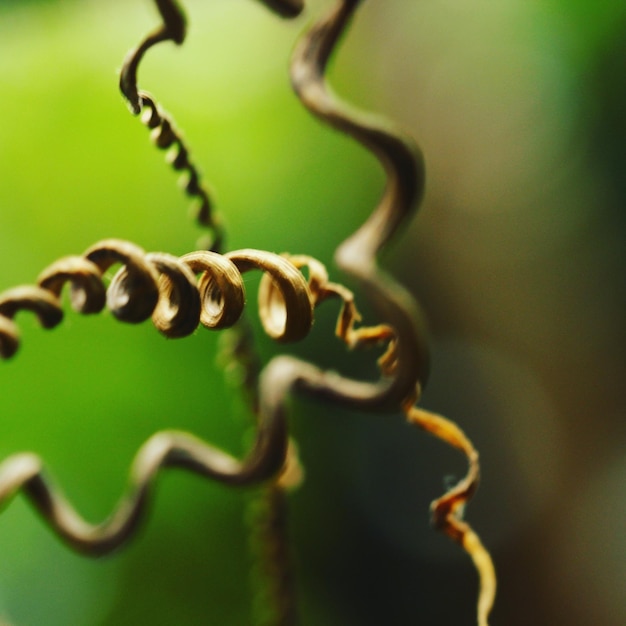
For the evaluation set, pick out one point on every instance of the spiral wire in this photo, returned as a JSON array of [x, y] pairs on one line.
[[206, 288]]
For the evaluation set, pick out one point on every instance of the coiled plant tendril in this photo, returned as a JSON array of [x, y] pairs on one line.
[[178, 294], [206, 288], [164, 133]]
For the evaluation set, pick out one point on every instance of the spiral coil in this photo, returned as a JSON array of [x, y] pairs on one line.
[[206, 288], [165, 288], [164, 133]]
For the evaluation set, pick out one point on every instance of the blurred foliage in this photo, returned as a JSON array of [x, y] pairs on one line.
[[519, 108]]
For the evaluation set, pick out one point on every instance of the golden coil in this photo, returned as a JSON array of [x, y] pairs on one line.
[[165, 288]]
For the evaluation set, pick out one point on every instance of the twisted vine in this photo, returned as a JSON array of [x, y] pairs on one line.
[[206, 288], [282, 598], [164, 133], [403, 165], [165, 288]]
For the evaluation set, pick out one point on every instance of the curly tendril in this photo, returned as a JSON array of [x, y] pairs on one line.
[[166, 136], [25, 472], [164, 133], [206, 288], [202, 287], [402, 381]]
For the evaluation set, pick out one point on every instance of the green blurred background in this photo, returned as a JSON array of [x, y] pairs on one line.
[[517, 256]]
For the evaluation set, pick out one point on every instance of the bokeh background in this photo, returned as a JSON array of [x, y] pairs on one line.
[[517, 257]]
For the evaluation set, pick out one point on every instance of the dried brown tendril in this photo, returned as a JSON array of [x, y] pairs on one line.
[[207, 288], [202, 287], [164, 133], [405, 368], [165, 288], [447, 511], [166, 136]]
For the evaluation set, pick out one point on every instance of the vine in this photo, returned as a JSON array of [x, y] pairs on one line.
[[205, 288]]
